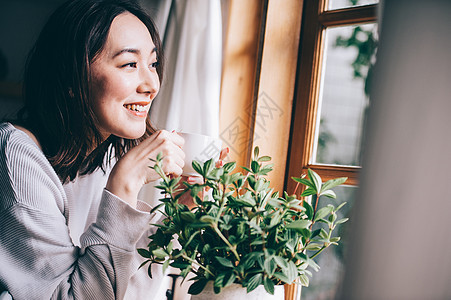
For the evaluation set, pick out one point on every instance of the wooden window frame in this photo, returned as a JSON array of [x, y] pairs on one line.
[[316, 20]]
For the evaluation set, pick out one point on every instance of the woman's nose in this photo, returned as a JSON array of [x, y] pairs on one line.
[[149, 82]]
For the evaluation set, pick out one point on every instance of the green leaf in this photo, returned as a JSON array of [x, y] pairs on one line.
[[275, 203], [255, 166], [340, 206], [329, 194], [229, 167], [270, 266], [323, 234], [333, 183], [314, 246], [247, 169], [251, 181], [308, 210], [332, 217], [229, 278], [303, 181], [269, 285], [281, 262], [159, 156], [259, 185], [257, 242], [305, 233], [256, 152], [313, 264], [149, 271], [144, 253], [264, 158], [304, 280], [315, 179], [275, 220], [254, 282], [156, 208], [224, 261], [219, 280], [197, 287], [321, 213], [315, 233], [299, 224], [292, 271], [282, 276], [170, 246], [208, 166], [188, 216], [160, 253], [342, 221], [335, 239], [308, 192], [248, 261], [143, 264], [197, 167], [166, 265]]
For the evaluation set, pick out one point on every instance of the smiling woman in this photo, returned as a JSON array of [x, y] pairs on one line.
[[124, 78], [89, 82]]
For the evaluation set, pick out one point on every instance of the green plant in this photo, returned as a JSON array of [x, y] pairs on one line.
[[241, 231]]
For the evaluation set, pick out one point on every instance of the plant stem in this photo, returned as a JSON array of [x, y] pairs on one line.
[[244, 182], [318, 252], [296, 188], [222, 206], [314, 211], [198, 264], [232, 248]]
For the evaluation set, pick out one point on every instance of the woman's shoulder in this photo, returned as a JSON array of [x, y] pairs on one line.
[[20, 152], [10, 133], [25, 172]]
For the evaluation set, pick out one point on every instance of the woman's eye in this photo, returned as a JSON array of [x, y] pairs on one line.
[[155, 64], [131, 65]]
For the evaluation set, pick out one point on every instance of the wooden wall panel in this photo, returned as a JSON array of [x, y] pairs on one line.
[[239, 76], [277, 83]]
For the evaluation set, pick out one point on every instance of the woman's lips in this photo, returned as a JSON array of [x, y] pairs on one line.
[[138, 109]]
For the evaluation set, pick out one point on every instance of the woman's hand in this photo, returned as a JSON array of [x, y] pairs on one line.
[[132, 171], [186, 197]]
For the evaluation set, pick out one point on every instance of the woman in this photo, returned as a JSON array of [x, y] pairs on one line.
[[72, 165]]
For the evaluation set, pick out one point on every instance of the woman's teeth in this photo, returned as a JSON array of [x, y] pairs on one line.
[[135, 107]]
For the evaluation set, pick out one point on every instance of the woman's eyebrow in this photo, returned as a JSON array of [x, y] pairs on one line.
[[126, 50], [131, 50]]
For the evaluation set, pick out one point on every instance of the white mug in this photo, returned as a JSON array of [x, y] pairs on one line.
[[200, 148]]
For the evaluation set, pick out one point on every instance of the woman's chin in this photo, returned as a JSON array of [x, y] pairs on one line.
[[133, 135]]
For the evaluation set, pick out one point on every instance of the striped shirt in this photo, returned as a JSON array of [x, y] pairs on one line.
[[71, 241]]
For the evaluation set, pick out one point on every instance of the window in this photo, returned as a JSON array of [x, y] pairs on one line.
[[337, 51]]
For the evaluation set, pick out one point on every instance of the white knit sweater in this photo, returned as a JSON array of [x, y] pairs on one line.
[[72, 241]]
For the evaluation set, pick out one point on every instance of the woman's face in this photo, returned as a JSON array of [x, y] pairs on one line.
[[124, 79]]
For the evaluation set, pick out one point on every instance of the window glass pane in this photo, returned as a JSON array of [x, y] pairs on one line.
[[324, 283], [337, 4], [347, 66]]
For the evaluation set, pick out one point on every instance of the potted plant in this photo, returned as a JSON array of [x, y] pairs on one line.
[[241, 232]]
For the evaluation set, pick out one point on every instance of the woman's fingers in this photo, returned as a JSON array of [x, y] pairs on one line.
[[193, 179], [173, 165]]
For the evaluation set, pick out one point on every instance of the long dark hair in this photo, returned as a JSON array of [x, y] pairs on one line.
[[56, 90]]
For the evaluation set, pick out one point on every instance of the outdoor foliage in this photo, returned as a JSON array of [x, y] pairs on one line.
[[241, 231]]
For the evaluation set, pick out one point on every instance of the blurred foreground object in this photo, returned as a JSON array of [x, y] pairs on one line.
[[402, 242]]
